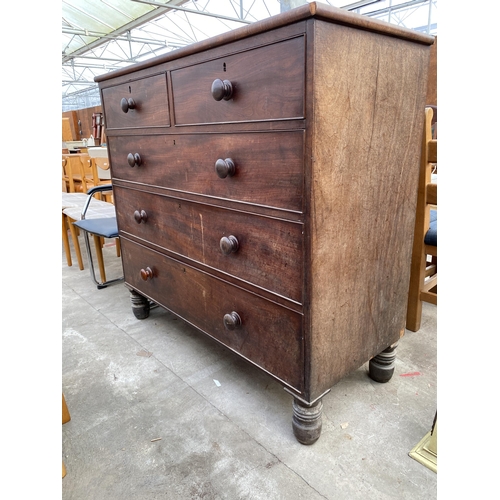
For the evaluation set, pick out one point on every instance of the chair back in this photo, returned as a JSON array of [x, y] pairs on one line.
[[103, 171], [423, 276], [72, 174]]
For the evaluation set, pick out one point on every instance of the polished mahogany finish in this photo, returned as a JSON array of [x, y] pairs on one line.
[[294, 252]]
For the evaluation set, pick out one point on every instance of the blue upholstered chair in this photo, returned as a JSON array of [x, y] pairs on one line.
[[423, 277], [100, 227]]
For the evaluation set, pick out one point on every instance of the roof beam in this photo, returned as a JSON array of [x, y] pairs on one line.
[[191, 11], [124, 38], [114, 34]]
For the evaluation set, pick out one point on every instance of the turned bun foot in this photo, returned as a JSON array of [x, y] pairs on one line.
[[381, 367], [140, 305], [306, 421]]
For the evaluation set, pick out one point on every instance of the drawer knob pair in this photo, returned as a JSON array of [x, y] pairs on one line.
[[225, 168], [140, 216], [232, 320], [229, 244], [127, 104], [134, 160], [222, 90]]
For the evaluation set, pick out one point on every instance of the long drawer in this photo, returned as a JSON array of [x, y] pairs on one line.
[[261, 331], [268, 167], [138, 103], [261, 250], [266, 83]]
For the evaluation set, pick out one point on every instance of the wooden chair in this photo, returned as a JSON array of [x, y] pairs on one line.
[[75, 201], [70, 173], [78, 178], [102, 175], [77, 173], [423, 277]]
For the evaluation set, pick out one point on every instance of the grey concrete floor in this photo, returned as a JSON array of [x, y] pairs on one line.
[[158, 411]]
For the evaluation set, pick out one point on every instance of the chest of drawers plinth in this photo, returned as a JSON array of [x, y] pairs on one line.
[[265, 184]]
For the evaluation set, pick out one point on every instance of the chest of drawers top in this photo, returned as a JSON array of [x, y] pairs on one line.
[[264, 63]]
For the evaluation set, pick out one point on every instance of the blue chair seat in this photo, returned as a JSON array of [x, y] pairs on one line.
[[431, 236], [107, 227]]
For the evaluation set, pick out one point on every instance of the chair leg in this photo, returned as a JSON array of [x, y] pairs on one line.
[[65, 239], [100, 259], [76, 244], [65, 418], [118, 247], [103, 283], [65, 412]]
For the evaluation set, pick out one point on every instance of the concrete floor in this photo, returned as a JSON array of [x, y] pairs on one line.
[[158, 411]]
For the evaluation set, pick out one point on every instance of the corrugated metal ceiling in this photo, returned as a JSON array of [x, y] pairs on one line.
[[99, 36]]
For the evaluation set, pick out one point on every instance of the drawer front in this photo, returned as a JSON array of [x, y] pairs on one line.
[[269, 335], [149, 107], [268, 167], [261, 250], [267, 84]]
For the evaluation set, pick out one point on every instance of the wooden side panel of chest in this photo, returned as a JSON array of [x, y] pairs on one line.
[[368, 95]]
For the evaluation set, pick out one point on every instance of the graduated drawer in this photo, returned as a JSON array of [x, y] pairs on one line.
[[150, 103], [269, 335], [264, 251], [268, 166], [267, 84]]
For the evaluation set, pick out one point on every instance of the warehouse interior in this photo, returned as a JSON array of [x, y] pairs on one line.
[[229, 434]]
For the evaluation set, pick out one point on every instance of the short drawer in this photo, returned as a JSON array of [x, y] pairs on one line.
[[259, 330], [268, 167], [139, 103], [261, 250], [266, 83]]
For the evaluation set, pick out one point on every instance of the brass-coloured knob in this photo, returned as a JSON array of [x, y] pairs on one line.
[[140, 216], [232, 321], [225, 168], [222, 90], [134, 160], [146, 273], [229, 244], [127, 104]]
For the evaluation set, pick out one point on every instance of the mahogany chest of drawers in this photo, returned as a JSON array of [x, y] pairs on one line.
[[265, 183]]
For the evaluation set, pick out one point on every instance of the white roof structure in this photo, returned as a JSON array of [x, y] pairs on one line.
[[99, 36]]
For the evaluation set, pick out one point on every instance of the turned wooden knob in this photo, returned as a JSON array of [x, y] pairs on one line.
[[225, 168], [134, 160], [232, 320], [146, 273], [229, 244], [222, 90], [141, 216], [127, 104]]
